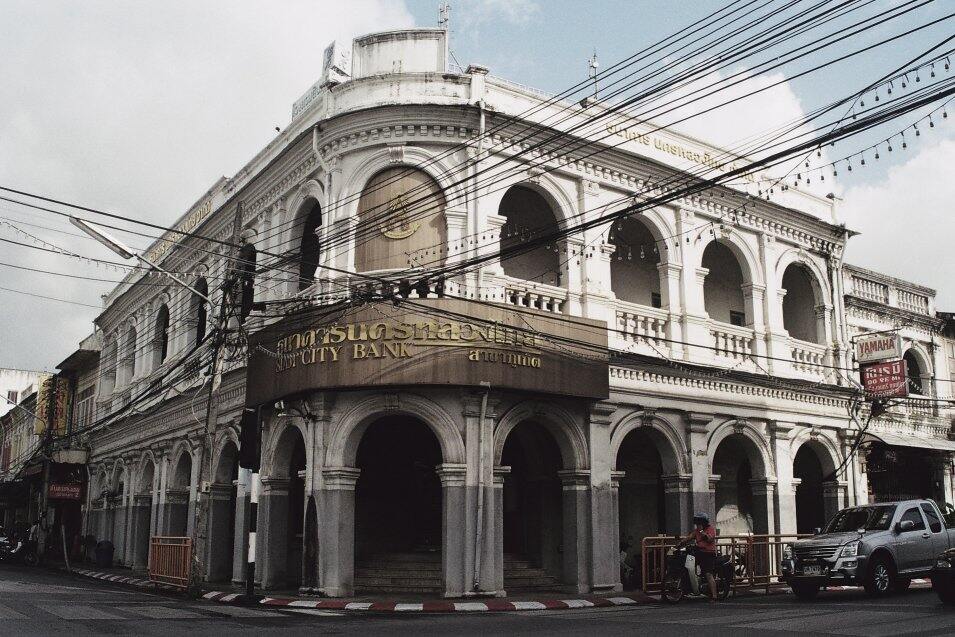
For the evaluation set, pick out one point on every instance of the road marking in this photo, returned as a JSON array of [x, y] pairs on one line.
[[735, 618], [164, 612], [74, 611]]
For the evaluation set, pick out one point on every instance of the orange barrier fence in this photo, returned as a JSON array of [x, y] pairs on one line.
[[170, 560], [756, 558]]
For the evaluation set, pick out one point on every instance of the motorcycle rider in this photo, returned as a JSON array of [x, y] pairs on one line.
[[703, 537]]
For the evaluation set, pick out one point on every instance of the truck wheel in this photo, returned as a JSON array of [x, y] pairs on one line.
[[901, 584], [805, 592], [944, 589], [878, 581]]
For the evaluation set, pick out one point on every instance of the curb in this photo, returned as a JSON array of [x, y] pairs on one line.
[[122, 579], [490, 605]]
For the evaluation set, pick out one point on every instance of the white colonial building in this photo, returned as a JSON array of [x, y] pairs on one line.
[[727, 319]]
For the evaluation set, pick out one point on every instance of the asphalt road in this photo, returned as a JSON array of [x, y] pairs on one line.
[[40, 602]]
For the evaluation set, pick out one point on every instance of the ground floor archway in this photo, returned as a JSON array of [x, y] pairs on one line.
[[810, 496], [398, 507], [641, 500], [903, 473], [222, 511], [281, 511], [742, 495], [533, 509]]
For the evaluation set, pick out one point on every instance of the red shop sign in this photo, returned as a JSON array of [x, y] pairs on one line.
[[888, 379], [64, 491]]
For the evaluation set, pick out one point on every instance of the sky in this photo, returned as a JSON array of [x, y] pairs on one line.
[[138, 108]]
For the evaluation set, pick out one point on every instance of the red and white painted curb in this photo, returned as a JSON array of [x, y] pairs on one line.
[[490, 605], [112, 577]]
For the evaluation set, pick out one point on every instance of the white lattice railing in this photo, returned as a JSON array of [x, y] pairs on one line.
[[808, 357], [640, 322], [871, 290], [537, 296], [913, 302], [732, 341]]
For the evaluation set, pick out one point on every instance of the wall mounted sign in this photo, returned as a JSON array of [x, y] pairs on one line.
[[878, 347], [432, 342], [888, 379], [64, 491]]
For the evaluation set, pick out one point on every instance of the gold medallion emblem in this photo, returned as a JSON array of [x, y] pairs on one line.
[[398, 224]]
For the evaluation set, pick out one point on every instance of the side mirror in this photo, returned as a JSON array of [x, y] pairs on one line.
[[816, 531], [905, 525]]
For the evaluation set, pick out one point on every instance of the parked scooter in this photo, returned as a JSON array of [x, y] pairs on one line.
[[16, 551], [684, 578]]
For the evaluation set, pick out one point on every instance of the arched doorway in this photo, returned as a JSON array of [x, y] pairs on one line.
[[533, 526], [741, 493], [799, 304], [398, 507], [810, 497], [281, 513], [142, 516], [295, 527], [634, 276], [118, 505], [641, 499], [530, 216], [176, 522], [723, 287], [309, 247], [919, 380], [222, 509]]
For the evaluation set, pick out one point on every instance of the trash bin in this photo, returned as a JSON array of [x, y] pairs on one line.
[[104, 554]]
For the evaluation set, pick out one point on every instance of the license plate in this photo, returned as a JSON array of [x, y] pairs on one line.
[[812, 570]]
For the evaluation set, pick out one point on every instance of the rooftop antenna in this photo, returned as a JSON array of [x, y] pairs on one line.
[[594, 64], [444, 16]]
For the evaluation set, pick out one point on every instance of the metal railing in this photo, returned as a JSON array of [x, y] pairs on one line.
[[757, 559], [170, 560]]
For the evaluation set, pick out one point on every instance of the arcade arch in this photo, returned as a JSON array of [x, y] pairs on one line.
[[723, 296], [529, 215], [634, 273], [800, 303], [741, 490], [222, 512], [143, 513], [177, 496]]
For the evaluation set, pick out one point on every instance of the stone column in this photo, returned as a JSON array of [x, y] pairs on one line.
[[118, 530], [696, 327], [141, 515], [671, 277], [833, 498], [243, 509], [785, 503], [577, 541], [604, 525], [453, 528], [754, 300], [271, 533], [678, 503], [336, 531], [220, 534], [498, 540], [572, 272], [702, 493], [764, 494]]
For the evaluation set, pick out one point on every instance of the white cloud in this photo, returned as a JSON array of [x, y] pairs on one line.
[[138, 108], [476, 12], [906, 220]]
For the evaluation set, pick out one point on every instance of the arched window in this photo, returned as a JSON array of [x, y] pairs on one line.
[[799, 304], [915, 373], [199, 311], [401, 222], [129, 355], [529, 216], [633, 267], [162, 335], [109, 364], [723, 287], [309, 249]]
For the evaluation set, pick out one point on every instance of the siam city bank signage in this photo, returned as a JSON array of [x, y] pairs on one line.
[[430, 342]]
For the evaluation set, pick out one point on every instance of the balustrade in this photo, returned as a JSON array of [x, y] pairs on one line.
[[732, 341]]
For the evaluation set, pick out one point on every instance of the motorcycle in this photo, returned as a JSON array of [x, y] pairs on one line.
[[684, 578], [16, 551]]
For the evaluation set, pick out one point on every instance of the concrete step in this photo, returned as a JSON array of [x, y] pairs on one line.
[[384, 580], [425, 590], [432, 556]]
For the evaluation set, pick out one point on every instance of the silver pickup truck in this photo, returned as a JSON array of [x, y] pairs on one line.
[[878, 546]]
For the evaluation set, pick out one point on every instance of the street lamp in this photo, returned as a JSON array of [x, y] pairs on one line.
[[126, 252]]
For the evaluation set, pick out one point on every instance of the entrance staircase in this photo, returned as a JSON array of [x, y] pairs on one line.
[[421, 573]]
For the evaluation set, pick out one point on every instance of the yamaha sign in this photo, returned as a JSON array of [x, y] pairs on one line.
[[871, 348]]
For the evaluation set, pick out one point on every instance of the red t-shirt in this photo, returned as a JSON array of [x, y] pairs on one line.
[[701, 542]]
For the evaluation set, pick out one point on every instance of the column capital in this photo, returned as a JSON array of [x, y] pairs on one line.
[[574, 479], [762, 486], [274, 485], [452, 474], [341, 478], [616, 477], [601, 412], [500, 473]]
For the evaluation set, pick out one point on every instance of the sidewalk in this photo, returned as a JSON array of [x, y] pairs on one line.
[[371, 603]]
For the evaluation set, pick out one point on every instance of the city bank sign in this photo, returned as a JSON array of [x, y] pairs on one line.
[[432, 342]]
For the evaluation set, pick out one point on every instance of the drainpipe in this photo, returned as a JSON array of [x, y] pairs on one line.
[[477, 160], [479, 534]]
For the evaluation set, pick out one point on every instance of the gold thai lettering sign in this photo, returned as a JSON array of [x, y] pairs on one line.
[[448, 342], [190, 223]]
